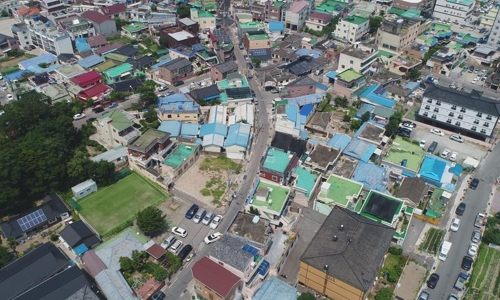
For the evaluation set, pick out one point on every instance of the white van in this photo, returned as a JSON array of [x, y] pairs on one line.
[[445, 249]]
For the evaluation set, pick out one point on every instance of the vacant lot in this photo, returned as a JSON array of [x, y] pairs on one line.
[[484, 282], [115, 204]]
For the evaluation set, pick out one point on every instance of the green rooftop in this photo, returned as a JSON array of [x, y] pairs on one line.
[[179, 155], [225, 84], [335, 2], [117, 57], [350, 75], [461, 2], [120, 120], [277, 195], [258, 37], [396, 11], [386, 203], [306, 180], [105, 66], [401, 149], [361, 13], [339, 190], [205, 14], [355, 20], [134, 27], [146, 138], [119, 70], [278, 3], [440, 27], [276, 160], [385, 54], [250, 25]]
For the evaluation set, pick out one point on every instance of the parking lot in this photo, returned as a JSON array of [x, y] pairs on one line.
[[465, 149]]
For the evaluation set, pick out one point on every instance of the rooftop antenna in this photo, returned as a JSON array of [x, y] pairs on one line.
[[342, 227]]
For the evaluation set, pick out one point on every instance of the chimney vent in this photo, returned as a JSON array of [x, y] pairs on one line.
[[342, 227], [334, 238]]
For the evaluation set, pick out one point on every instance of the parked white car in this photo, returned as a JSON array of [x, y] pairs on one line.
[[453, 156], [78, 116], [437, 132], [216, 221], [179, 231], [456, 138], [422, 143], [212, 238], [445, 153], [455, 224], [472, 249]]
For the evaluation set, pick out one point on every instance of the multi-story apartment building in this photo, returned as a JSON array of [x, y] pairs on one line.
[[256, 40], [115, 128], [103, 25], [296, 15], [494, 39], [174, 70], [408, 4], [352, 28], [52, 5], [463, 112], [455, 11], [44, 36], [359, 57], [317, 21], [396, 33], [205, 19], [76, 26]]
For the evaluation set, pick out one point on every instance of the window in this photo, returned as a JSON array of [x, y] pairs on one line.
[[476, 122], [436, 109], [461, 117], [483, 130], [275, 178], [486, 124], [429, 100], [351, 62], [427, 107], [479, 115], [448, 121], [434, 116], [473, 128], [458, 123], [169, 116], [426, 114], [488, 117], [463, 110], [451, 114], [438, 103]]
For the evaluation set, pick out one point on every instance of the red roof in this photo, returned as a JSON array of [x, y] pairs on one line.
[[114, 9], [93, 263], [156, 251], [94, 91], [320, 16], [95, 16], [97, 40], [87, 79], [214, 276]]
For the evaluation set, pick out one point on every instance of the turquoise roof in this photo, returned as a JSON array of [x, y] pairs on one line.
[[238, 135], [213, 128]]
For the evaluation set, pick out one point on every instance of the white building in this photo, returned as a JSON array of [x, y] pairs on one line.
[[466, 113], [455, 11], [359, 57], [494, 39], [296, 15], [115, 129], [84, 189], [352, 28], [396, 33], [43, 36], [52, 5]]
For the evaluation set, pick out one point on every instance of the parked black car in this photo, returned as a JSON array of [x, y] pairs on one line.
[[474, 183], [433, 280], [192, 211], [185, 252], [460, 209], [467, 263], [158, 296], [404, 132], [90, 120], [178, 83]]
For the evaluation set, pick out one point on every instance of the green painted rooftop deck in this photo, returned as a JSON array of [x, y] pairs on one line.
[[250, 25], [120, 120], [179, 155], [441, 27], [461, 2], [258, 37], [134, 27], [401, 149], [205, 14], [385, 53], [387, 197], [118, 70], [278, 196], [224, 84], [305, 180], [340, 189], [350, 75], [355, 20], [276, 160]]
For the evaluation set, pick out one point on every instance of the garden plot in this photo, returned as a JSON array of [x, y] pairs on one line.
[[432, 241], [484, 283]]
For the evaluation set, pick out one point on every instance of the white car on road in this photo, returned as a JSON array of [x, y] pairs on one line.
[[455, 224], [437, 132], [179, 231], [216, 221], [212, 238], [422, 143], [10, 97], [472, 249], [78, 116]]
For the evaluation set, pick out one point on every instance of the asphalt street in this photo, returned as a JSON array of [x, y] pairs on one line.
[[446, 81], [180, 282], [90, 114], [476, 201]]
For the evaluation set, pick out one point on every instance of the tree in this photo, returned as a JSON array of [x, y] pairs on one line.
[[355, 124], [393, 125], [430, 53], [306, 296], [374, 24], [160, 274], [126, 265], [256, 61], [150, 116], [151, 220], [365, 117], [5, 256], [384, 293], [328, 97], [12, 243], [139, 259], [183, 11], [414, 74], [154, 8], [341, 101], [120, 23], [346, 118], [5, 14], [148, 97], [163, 42]]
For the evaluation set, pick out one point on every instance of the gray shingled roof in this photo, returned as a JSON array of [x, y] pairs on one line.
[[357, 254], [229, 249], [302, 81], [176, 64], [473, 100], [227, 66], [412, 188]]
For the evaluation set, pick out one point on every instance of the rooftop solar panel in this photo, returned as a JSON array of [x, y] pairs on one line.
[[33, 219]]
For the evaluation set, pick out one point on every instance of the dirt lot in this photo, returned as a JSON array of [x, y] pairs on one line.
[[410, 281], [197, 183]]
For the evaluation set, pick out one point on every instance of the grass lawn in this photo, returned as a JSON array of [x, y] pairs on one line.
[[220, 163], [119, 38], [340, 189], [112, 205]]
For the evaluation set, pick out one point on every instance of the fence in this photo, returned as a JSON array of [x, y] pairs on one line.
[[75, 205], [123, 173]]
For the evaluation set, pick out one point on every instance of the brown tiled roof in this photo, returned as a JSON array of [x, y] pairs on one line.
[[97, 40], [107, 48], [156, 251], [214, 276], [93, 263], [114, 9], [95, 16]]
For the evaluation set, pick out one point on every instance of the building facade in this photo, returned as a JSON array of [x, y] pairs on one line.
[[115, 129], [175, 70], [454, 11], [466, 113], [103, 25], [494, 39], [359, 57], [45, 37], [317, 21], [396, 33], [296, 15], [352, 28]]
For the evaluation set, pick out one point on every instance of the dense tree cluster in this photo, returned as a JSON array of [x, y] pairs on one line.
[[41, 152]]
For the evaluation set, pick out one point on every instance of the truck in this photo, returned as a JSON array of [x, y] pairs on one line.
[[445, 248], [461, 280], [480, 218]]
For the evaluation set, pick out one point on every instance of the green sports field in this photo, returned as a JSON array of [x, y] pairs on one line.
[[114, 204]]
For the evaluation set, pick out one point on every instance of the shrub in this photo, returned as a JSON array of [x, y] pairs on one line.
[[384, 293], [346, 118], [395, 250], [414, 142], [54, 237]]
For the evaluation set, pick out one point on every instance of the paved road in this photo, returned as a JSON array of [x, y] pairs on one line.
[[90, 114], [446, 81], [476, 201], [177, 289]]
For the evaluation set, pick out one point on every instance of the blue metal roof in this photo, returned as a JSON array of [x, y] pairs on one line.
[[213, 128], [308, 52], [177, 103], [238, 135], [35, 61], [339, 141], [89, 62], [360, 149], [190, 129], [321, 86], [264, 267], [376, 94], [273, 288], [276, 26], [412, 85], [252, 250], [172, 127], [82, 45], [15, 76], [292, 114], [365, 107], [332, 74], [432, 168], [38, 69], [306, 110], [372, 177], [307, 99]]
